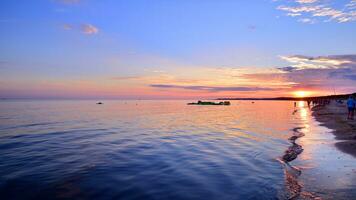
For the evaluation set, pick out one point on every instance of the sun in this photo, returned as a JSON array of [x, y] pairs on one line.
[[302, 93]]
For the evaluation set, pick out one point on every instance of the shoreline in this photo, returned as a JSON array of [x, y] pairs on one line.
[[334, 116]]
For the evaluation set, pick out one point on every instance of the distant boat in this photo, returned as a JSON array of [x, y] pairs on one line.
[[222, 103], [99, 103]]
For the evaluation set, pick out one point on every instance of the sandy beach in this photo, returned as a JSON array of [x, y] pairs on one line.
[[334, 116]]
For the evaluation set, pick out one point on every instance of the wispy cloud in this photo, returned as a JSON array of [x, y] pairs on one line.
[[306, 1], [299, 62], [311, 10], [212, 88], [123, 78], [307, 21], [293, 14], [351, 5], [319, 74], [89, 29], [68, 1], [287, 69]]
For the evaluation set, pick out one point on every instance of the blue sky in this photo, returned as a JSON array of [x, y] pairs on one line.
[[119, 49]]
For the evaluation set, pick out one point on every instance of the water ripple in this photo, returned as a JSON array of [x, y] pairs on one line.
[[161, 150]]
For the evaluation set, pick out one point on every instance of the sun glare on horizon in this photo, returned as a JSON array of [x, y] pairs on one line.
[[302, 93]]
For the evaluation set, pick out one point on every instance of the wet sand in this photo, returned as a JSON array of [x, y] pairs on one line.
[[334, 116], [321, 170]]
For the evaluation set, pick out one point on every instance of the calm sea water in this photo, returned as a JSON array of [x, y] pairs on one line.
[[144, 149]]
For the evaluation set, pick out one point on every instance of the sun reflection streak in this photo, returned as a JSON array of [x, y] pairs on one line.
[[303, 111], [305, 123]]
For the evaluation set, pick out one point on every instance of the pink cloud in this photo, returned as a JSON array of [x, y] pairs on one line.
[[89, 29]]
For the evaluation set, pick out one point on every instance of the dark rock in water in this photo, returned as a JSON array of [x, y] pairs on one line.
[[297, 149], [224, 103], [289, 156], [293, 138], [99, 103], [292, 153]]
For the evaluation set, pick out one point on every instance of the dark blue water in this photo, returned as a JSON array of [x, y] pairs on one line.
[[143, 150]]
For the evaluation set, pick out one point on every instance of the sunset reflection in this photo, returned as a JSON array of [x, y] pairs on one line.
[[303, 110], [176, 99]]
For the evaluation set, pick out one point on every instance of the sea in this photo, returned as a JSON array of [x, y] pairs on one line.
[[166, 149]]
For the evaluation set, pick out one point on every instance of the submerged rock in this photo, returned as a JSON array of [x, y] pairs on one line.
[[289, 156], [292, 153], [293, 138]]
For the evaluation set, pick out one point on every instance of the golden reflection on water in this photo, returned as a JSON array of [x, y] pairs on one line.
[[302, 110], [304, 115]]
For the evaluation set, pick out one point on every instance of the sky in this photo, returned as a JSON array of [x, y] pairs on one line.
[[177, 49]]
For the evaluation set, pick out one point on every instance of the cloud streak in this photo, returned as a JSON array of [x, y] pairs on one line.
[[68, 1], [319, 74], [87, 29], [299, 62], [311, 10], [306, 1], [212, 88]]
